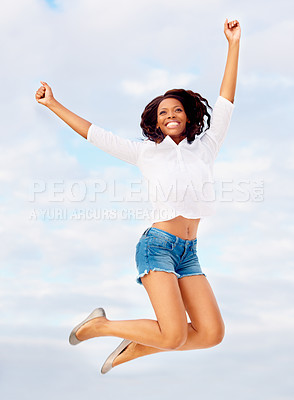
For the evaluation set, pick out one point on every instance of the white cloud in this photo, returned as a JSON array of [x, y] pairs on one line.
[[266, 81], [158, 80], [266, 50], [101, 59]]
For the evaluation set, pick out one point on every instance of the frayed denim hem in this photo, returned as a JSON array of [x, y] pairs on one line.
[[194, 274], [138, 279]]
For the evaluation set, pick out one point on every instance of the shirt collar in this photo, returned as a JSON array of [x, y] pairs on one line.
[[168, 141]]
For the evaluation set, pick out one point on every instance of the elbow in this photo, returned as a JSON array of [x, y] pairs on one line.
[[227, 97]]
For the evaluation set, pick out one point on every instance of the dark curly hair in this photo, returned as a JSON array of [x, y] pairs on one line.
[[195, 110]]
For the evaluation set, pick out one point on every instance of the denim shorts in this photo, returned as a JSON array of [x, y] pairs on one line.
[[158, 250]]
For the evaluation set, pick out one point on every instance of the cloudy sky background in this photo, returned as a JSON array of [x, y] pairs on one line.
[[105, 61]]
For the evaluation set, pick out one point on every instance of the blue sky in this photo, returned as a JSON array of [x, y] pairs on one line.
[[51, 3], [105, 61]]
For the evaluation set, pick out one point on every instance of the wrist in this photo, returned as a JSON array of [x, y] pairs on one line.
[[52, 103], [234, 42]]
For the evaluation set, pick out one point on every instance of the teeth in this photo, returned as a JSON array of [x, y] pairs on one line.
[[172, 124]]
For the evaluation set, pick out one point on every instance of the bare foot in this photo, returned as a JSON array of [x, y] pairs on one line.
[[93, 328]]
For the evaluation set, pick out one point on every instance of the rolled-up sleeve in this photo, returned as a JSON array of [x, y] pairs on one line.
[[220, 120], [122, 148]]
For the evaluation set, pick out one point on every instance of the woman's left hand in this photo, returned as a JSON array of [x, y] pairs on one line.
[[232, 30]]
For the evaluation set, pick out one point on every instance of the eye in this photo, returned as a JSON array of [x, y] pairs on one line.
[[179, 109], [161, 112]]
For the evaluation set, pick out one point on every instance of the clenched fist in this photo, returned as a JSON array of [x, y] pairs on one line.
[[44, 94], [232, 30]]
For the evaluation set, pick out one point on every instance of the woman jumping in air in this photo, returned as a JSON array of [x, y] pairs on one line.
[[176, 160]]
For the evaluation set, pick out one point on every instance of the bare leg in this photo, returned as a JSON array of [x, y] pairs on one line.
[[206, 328], [169, 297], [169, 331]]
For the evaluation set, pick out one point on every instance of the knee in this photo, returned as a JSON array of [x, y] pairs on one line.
[[175, 340], [214, 335]]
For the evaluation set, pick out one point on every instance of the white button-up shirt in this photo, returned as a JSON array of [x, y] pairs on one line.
[[179, 176]]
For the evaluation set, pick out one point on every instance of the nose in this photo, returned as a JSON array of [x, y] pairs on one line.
[[171, 114]]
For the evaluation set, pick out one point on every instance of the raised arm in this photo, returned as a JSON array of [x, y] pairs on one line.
[[120, 147], [232, 31], [45, 96], [223, 108]]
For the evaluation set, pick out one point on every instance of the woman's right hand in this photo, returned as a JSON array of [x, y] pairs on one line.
[[44, 94]]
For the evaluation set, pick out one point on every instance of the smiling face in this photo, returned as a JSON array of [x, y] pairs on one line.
[[171, 118]]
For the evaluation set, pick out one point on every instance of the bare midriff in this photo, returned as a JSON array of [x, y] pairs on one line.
[[182, 227]]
